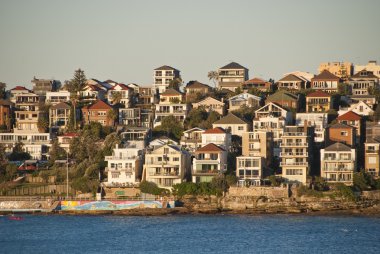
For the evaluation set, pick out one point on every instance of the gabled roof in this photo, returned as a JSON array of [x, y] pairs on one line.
[[170, 91], [341, 126], [230, 119], [196, 84], [326, 75], [256, 81], [318, 94], [350, 116], [194, 129], [269, 104], [61, 105], [369, 74], [210, 148], [338, 147], [209, 98], [282, 95], [99, 105], [232, 65], [165, 67], [122, 86], [92, 88], [20, 88], [245, 96], [290, 77], [216, 130]]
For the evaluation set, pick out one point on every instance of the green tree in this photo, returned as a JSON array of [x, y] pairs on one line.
[[75, 86], [195, 118], [18, 153], [42, 124], [151, 188], [213, 76], [116, 97], [344, 89], [170, 127], [112, 116], [175, 84], [2, 90], [56, 152]]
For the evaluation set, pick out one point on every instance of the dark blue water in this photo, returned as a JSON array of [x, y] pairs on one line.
[[190, 234]]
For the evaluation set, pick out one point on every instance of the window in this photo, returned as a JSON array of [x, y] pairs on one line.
[[372, 160], [344, 133], [175, 158], [294, 172], [240, 128]]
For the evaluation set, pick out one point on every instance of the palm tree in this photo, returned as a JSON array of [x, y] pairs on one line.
[[111, 116], [175, 84], [213, 75], [75, 86], [116, 97]]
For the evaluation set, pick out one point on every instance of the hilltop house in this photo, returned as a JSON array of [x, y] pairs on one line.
[[211, 104], [194, 89], [125, 94], [57, 97], [318, 102], [233, 124], [338, 164], [16, 91], [292, 82], [244, 99], [362, 82], [360, 108], [259, 84], [163, 76], [326, 82], [98, 112], [231, 76]]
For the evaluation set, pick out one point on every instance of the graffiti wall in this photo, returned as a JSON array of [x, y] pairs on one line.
[[112, 205]]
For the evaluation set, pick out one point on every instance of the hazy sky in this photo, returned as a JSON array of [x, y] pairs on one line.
[[126, 40]]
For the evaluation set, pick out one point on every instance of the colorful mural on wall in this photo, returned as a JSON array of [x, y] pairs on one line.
[[112, 205]]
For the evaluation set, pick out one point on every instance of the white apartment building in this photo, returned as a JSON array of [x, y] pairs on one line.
[[249, 170], [170, 104], [317, 120], [57, 97], [162, 77]]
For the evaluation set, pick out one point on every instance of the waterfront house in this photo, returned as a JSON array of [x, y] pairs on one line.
[[326, 82], [258, 143], [259, 84], [209, 161], [296, 145], [244, 100], [136, 137], [292, 82], [163, 76], [211, 104], [338, 163], [232, 76], [232, 124], [167, 165], [124, 166], [249, 170], [98, 112], [171, 104], [318, 102], [372, 156]]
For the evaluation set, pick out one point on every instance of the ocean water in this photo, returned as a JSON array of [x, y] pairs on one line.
[[190, 234]]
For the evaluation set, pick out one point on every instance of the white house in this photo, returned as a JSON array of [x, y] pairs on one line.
[[360, 108], [233, 124], [318, 120]]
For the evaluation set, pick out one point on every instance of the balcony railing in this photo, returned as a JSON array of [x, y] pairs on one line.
[[338, 159], [338, 169], [127, 170], [294, 154], [372, 151], [120, 157], [293, 144], [174, 174], [294, 134], [206, 171], [294, 164]]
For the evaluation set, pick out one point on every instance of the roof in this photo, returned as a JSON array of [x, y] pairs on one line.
[[282, 95], [369, 75], [338, 147], [256, 81], [165, 67], [122, 86], [99, 105], [110, 81], [194, 129], [216, 130], [19, 88], [93, 88], [326, 75], [61, 105], [232, 65], [210, 148], [196, 84], [171, 91], [290, 77], [318, 94], [209, 98], [245, 96], [341, 126], [230, 119], [350, 116]]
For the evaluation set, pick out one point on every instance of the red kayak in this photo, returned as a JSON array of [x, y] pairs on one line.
[[15, 218]]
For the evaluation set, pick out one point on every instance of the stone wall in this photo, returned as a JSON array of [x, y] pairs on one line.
[[374, 195], [268, 192], [15, 205]]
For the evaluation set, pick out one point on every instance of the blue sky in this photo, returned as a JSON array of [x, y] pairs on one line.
[[126, 40]]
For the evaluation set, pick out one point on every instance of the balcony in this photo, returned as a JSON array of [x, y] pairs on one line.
[[304, 154], [170, 174], [339, 169], [294, 144], [294, 163], [295, 134], [206, 172], [120, 157], [338, 160], [127, 170], [372, 151]]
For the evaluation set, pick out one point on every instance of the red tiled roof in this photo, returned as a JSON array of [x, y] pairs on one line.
[[326, 75], [216, 130], [210, 148], [19, 88], [350, 116], [318, 94], [99, 105], [255, 81]]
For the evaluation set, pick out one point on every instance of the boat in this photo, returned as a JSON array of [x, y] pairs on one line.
[[14, 217]]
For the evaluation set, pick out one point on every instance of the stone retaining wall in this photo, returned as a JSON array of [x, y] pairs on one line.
[[268, 192]]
